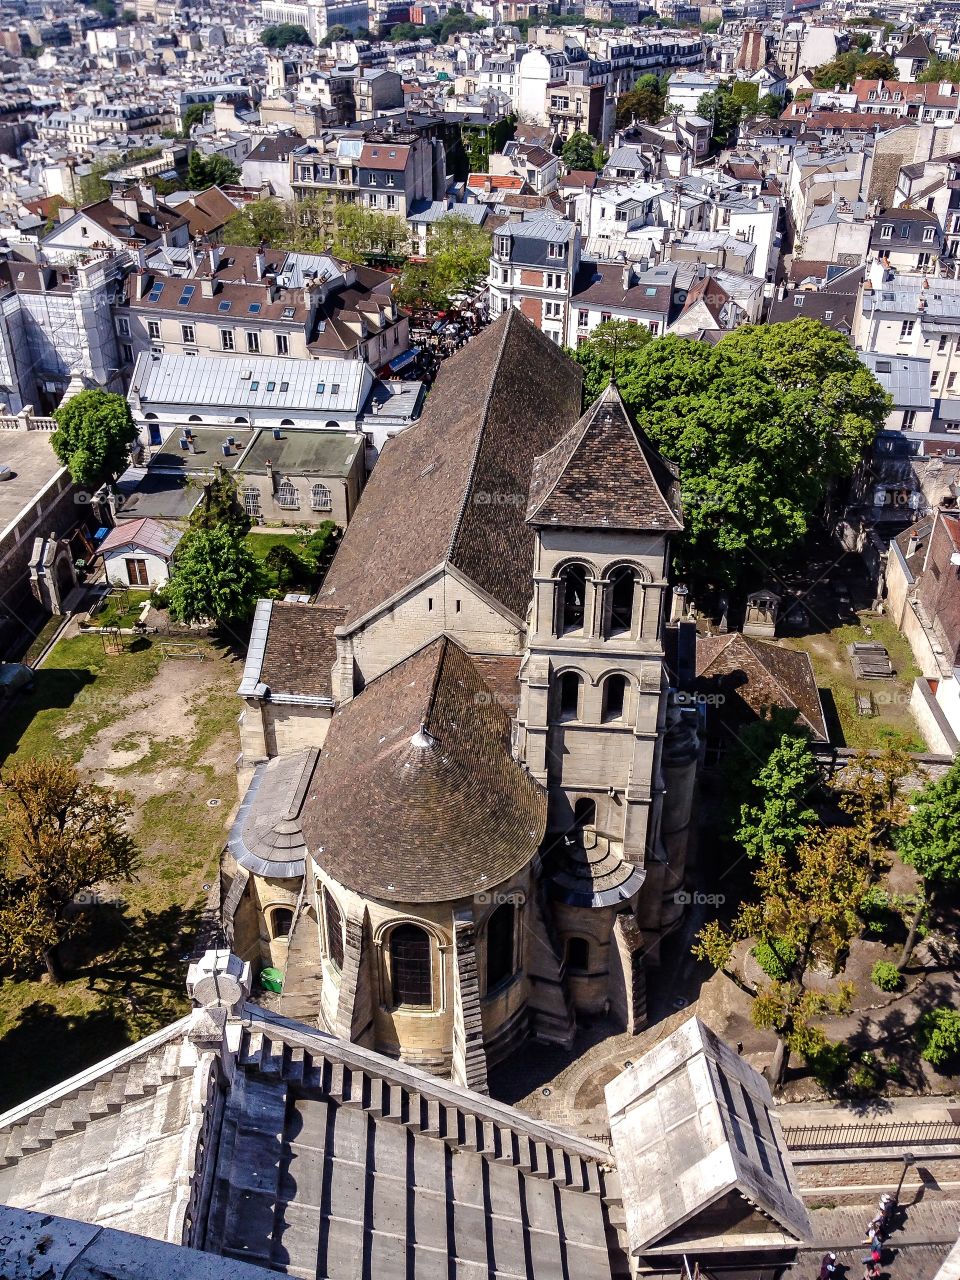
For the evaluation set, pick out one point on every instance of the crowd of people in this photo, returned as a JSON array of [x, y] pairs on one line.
[[878, 1230]]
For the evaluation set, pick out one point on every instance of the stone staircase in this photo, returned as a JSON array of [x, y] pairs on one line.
[[90, 1102]]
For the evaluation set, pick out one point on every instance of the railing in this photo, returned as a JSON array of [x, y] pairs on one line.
[[876, 1135], [26, 422]]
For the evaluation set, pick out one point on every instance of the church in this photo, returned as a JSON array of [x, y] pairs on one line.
[[467, 783]]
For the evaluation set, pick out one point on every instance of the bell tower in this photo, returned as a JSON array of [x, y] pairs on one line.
[[603, 504]]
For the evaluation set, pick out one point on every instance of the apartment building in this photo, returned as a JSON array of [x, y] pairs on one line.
[[533, 265], [902, 315], [378, 170]]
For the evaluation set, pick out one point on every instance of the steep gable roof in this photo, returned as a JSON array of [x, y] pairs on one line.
[[774, 676], [451, 488], [605, 473]]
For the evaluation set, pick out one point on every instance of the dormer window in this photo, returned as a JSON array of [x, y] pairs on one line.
[[555, 250], [886, 231]]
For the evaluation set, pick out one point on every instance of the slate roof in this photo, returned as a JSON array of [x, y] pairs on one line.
[[464, 469], [605, 473], [761, 675], [444, 810], [292, 651], [261, 841], [146, 534]]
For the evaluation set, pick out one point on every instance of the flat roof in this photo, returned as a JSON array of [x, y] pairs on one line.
[[326, 453], [33, 463], [207, 449], [159, 495]]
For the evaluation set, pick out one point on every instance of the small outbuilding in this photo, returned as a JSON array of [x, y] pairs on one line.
[[138, 553]]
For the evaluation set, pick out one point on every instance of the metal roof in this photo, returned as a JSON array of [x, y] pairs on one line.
[[906, 378], [319, 386]]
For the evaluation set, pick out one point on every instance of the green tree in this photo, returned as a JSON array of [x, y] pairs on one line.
[[770, 105], [60, 836], [459, 258], [220, 506], [210, 171], [759, 425], [334, 33], [194, 114], [93, 437], [215, 576], [806, 914], [645, 101], [283, 34], [261, 220], [748, 753], [929, 842], [578, 151], [853, 65], [723, 111], [782, 817], [939, 71], [605, 352], [359, 234], [746, 95], [285, 567]]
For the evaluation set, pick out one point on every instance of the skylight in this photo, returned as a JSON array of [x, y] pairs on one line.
[[254, 386], [224, 306], [253, 308], [188, 291], [155, 292]]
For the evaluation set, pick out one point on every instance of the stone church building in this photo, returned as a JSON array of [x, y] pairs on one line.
[[467, 784]]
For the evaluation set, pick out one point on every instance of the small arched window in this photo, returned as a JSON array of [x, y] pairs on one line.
[[578, 955], [281, 922], [286, 422], [194, 417], [501, 946], [321, 498], [150, 417], [570, 684], [332, 426], [622, 591], [411, 979], [251, 502], [333, 923], [571, 599], [241, 422], [614, 698], [287, 496]]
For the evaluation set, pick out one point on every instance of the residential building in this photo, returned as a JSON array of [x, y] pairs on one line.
[[908, 240], [389, 172], [533, 265]]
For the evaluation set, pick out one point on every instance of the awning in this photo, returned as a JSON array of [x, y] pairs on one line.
[[401, 362]]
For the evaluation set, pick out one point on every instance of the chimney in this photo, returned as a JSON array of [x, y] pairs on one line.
[[148, 194], [260, 261], [192, 256], [214, 255], [209, 287], [913, 545], [627, 276]]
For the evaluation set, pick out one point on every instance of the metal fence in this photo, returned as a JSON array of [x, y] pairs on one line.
[[875, 1135]]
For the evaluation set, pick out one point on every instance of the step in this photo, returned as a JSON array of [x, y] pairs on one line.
[[296, 1064]]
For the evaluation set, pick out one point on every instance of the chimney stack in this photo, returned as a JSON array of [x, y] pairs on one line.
[[215, 253], [260, 261]]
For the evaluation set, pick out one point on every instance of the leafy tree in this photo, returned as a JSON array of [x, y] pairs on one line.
[[283, 34], [940, 70], [194, 114], [853, 65], [285, 566], [782, 818], [759, 425], [215, 576], [319, 548], [93, 437], [261, 220], [807, 914], [359, 233], [749, 753], [930, 843], [603, 354], [722, 109], [770, 105], [459, 258], [578, 151], [871, 796], [334, 33], [746, 94], [210, 171], [220, 506], [939, 1036], [93, 187], [60, 837], [645, 101]]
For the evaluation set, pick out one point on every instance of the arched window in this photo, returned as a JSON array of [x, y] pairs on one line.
[[614, 698], [286, 422], [287, 496], [333, 922], [241, 421], [500, 946], [571, 599], [332, 426], [585, 813], [621, 589], [320, 498], [578, 955], [281, 922], [570, 684], [194, 417], [150, 417], [251, 502], [411, 980]]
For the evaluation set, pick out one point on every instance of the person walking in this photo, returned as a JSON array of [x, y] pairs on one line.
[[828, 1266]]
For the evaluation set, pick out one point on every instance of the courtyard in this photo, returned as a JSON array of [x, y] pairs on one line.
[[160, 730]]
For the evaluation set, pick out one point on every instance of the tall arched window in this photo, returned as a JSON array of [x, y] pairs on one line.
[[500, 946], [571, 599], [320, 498], [569, 708], [251, 502], [621, 589], [281, 922], [333, 922], [614, 698], [411, 979], [578, 955], [287, 496]]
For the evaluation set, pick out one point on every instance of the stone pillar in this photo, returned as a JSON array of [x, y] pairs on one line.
[[469, 1065], [628, 978], [354, 1017]]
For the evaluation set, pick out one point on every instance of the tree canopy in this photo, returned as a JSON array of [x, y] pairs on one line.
[[261, 220], [283, 34], [458, 259], [770, 105], [196, 112], [645, 101], [215, 576], [929, 842], [210, 171], [610, 344], [580, 152], [723, 110], [60, 836], [759, 426], [855, 63], [939, 70], [93, 437]]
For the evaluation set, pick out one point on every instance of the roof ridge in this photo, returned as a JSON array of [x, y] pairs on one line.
[[586, 419]]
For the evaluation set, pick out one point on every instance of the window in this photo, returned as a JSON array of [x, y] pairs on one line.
[[137, 573], [798, 299], [254, 308], [285, 386], [928, 234], [253, 344], [321, 387], [411, 980], [289, 313], [225, 305], [320, 498], [951, 381], [556, 250], [287, 496], [553, 310], [391, 202], [153, 330], [187, 333], [582, 319], [333, 923], [906, 329], [281, 922], [391, 180], [155, 292], [909, 418], [621, 590], [188, 291], [271, 386], [886, 231], [570, 684], [334, 388], [255, 385], [578, 955], [251, 502], [572, 598], [123, 327], [934, 377], [942, 344], [500, 946], [226, 340], [126, 353], [503, 246], [614, 698], [283, 344]]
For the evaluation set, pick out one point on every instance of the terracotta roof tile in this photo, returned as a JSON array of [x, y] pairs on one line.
[[300, 650], [775, 676]]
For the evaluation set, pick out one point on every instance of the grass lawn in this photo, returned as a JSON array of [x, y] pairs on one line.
[[893, 723], [113, 614], [261, 543], [163, 733]]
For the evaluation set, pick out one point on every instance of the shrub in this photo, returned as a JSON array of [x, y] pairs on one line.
[[867, 1075], [939, 1036], [875, 909], [886, 976], [828, 1060], [775, 957], [285, 566]]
